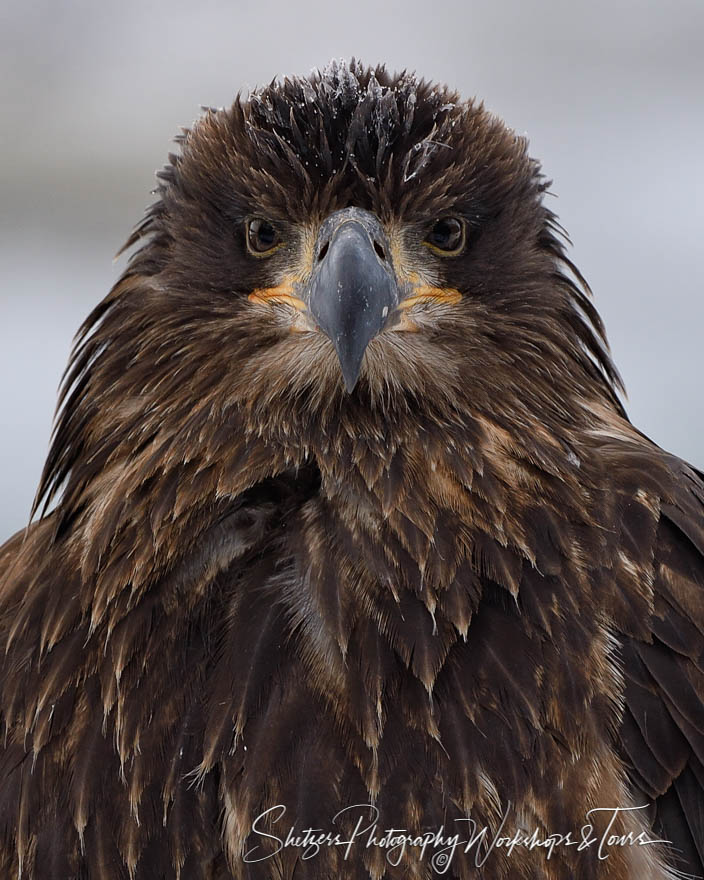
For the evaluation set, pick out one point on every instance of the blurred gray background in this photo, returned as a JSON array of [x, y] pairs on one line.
[[610, 94]]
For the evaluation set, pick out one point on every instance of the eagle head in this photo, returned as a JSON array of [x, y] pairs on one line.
[[359, 230]]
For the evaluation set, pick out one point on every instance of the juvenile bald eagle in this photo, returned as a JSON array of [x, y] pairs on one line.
[[351, 532]]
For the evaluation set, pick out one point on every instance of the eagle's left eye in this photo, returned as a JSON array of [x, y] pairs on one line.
[[262, 237], [447, 236]]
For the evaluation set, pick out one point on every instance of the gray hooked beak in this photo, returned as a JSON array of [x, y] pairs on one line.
[[353, 288]]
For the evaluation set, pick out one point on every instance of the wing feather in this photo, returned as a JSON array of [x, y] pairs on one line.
[[662, 732]]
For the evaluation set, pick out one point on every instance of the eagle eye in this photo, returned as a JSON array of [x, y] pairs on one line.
[[262, 237], [447, 236]]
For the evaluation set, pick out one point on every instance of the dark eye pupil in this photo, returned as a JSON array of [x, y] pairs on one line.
[[261, 235], [446, 235]]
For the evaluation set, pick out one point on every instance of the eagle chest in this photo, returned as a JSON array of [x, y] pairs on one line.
[[367, 661]]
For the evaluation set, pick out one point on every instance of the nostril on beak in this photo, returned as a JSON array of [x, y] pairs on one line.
[[379, 249]]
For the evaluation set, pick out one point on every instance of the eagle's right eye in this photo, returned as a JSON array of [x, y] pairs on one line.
[[262, 237], [447, 236]]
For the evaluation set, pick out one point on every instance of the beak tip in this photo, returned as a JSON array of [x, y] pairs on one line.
[[350, 376]]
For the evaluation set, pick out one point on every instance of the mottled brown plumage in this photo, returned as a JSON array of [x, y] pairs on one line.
[[465, 587]]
